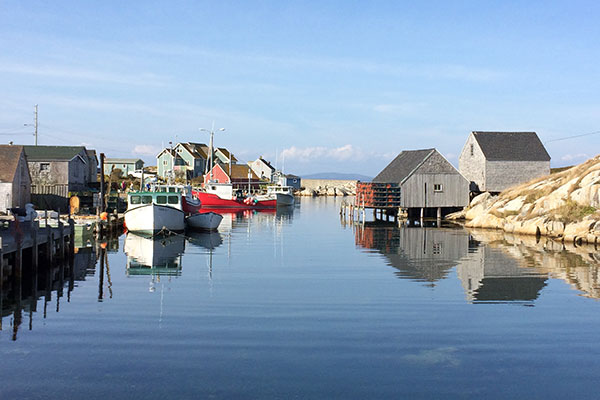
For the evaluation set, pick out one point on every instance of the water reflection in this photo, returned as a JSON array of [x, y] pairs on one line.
[[420, 254], [20, 291], [235, 217], [160, 255], [579, 266], [487, 273]]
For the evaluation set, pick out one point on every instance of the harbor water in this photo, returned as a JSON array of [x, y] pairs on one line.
[[297, 303]]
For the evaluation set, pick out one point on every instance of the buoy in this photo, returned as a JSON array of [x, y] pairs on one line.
[[104, 216]]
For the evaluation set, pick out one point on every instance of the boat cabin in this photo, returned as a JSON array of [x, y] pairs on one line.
[[162, 198]]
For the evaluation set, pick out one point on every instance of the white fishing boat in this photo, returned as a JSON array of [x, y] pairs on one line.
[[208, 221], [153, 212], [283, 194]]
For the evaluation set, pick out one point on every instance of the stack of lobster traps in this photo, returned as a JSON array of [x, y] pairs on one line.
[[378, 195]]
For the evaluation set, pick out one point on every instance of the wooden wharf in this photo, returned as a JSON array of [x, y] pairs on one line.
[[35, 241]]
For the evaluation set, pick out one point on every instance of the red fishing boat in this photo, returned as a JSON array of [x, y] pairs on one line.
[[222, 195]]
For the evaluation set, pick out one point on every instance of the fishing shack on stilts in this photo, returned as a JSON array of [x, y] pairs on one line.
[[417, 184]]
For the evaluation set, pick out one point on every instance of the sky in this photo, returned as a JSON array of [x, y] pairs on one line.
[[313, 86]]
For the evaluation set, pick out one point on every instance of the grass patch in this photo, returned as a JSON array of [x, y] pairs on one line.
[[572, 211], [561, 169]]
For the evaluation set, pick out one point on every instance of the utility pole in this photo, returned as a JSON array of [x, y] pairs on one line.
[[36, 124]]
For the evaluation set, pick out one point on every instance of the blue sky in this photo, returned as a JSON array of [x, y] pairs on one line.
[[337, 86]]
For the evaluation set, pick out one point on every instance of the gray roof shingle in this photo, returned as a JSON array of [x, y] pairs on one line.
[[511, 146], [402, 166]]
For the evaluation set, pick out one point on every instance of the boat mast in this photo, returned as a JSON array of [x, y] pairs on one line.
[[210, 146]]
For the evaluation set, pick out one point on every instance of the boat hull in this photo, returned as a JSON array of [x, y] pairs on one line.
[[153, 218], [209, 200], [205, 221], [284, 199]]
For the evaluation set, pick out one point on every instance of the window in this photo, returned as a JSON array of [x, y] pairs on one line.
[[437, 187], [173, 199], [172, 190], [164, 162], [471, 150], [124, 165], [161, 199], [146, 199], [44, 167], [135, 199], [437, 248]]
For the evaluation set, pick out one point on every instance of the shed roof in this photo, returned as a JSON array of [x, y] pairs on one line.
[[403, 165], [511, 146], [9, 161], [122, 160], [53, 153]]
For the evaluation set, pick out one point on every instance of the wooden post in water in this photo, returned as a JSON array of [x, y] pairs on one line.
[[71, 238], [61, 239], [34, 248]]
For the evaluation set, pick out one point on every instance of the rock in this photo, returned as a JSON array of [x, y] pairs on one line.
[[482, 198], [515, 205], [587, 195], [578, 229], [456, 215]]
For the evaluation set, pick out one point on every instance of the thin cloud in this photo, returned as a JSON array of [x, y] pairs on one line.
[[428, 71], [571, 157], [145, 150], [83, 74], [338, 154]]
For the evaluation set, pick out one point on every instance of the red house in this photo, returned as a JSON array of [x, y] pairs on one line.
[[238, 176]]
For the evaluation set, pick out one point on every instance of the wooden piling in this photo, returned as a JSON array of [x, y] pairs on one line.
[[61, 239]]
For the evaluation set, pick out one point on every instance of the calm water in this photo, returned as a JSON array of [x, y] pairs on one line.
[[295, 304]]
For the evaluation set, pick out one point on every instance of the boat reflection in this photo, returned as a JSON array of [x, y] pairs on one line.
[[159, 255], [429, 254], [233, 217], [205, 240]]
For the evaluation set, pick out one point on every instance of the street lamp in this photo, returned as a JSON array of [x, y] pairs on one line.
[[210, 145]]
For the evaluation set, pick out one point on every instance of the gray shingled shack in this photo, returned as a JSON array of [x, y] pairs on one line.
[[494, 161], [427, 181]]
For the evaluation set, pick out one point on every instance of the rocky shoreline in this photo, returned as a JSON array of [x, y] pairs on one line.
[[562, 206], [328, 187]]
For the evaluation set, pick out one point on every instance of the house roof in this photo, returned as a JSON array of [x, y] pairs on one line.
[[122, 160], [268, 164], [403, 165], [511, 146], [195, 149], [92, 154], [53, 153], [9, 162], [238, 171], [226, 153]]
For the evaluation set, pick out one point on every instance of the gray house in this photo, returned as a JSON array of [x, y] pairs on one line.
[[494, 161], [126, 165], [59, 166], [426, 180], [15, 181]]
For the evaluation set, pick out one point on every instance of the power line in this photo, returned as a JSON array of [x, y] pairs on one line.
[[572, 137]]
